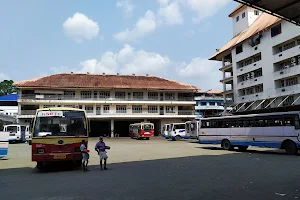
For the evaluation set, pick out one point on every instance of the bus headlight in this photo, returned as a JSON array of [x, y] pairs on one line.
[[40, 150]]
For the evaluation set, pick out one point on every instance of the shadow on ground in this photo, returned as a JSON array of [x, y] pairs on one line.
[[230, 176]]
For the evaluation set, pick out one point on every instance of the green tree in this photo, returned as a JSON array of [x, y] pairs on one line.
[[6, 87]]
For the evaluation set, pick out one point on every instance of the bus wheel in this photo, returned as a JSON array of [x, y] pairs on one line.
[[39, 165], [227, 145], [177, 138], [290, 147], [243, 148]]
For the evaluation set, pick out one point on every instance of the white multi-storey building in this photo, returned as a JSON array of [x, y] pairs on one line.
[[261, 63], [112, 102]]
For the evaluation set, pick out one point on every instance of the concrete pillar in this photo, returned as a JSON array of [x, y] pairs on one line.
[[112, 127]]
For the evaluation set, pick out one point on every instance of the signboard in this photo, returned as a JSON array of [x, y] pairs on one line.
[[50, 114]]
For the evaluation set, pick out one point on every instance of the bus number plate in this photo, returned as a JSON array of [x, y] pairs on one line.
[[60, 156]]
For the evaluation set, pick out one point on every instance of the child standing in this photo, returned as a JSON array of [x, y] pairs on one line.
[[85, 155], [101, 149]]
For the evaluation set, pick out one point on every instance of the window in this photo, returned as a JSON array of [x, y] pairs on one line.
[[259, 89], [179, 126], [203, 103], [170, 109], [138, 95], [276, 30], [89, 109], [292, 81], [86, 94], [256, 12], [104, 94], [212, 103], [244, 15], [152, 95], [95, 94], [48, 106], [237, 18], [169, 96], [152, 109], [121, 108], [120, 95], [69, 94], [69, 106], [137, 109], [239, 49], [106, 109]]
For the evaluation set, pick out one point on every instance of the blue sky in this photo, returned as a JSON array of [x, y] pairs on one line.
[[167, 38]]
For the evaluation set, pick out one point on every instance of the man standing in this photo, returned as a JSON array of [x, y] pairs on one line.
[[85, 155], [100, 148]]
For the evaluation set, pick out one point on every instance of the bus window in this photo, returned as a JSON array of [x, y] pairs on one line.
[[11, 129], [289, 121]]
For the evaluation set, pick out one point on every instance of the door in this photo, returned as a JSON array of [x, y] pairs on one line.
[[161, 110], [98, 110]]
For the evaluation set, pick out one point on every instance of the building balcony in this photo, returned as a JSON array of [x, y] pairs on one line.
[[287, 54], [124, 114], [28, 112], [75, 99], [251, 97], [228, 91], [250, 82], [248, 52], [227, 79], [208, 98], [209, 107], [284, 73], [227, 67], [248, 68], [294, 89]]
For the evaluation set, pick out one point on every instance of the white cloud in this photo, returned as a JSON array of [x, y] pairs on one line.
[[204, 71], [171, 13], [163, 2], [126, 61], [205, 8], [4, 77], [144, 26], [80, 28], [126, 6]]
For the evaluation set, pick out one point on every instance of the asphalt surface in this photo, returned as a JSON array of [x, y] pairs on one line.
[[155, 169]]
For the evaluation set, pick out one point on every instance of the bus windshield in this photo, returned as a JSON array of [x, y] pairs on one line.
[[60, 123], [147, 127]]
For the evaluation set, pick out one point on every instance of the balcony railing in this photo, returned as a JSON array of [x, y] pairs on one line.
[[28, 112], [124, 112], [74, 98]]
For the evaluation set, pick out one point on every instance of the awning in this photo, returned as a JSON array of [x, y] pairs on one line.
[[288, 10]]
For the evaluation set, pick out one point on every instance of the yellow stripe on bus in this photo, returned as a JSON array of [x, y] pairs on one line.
[[54, 140]]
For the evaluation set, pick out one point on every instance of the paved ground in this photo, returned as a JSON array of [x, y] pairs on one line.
[[156, 169]]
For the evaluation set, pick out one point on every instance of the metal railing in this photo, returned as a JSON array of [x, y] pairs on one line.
[[68, 97], [28, 112]]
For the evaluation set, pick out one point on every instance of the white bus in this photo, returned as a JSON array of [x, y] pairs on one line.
[[3, 143], [165, 130], [16, 132], [177, 131], [192, 129], [274, 130]]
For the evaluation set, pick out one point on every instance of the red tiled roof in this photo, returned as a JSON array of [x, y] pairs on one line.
[[263, 22], [69, 80], [236, 9], [214, 91]]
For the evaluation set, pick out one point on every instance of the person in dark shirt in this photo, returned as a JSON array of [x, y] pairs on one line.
[[101, 150]]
